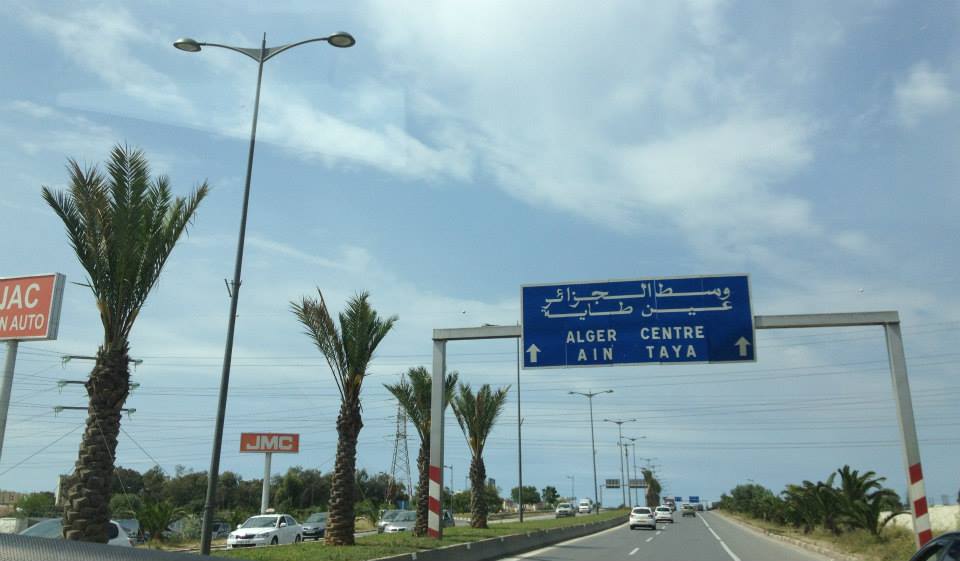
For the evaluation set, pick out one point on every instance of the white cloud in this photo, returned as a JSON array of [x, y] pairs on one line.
[[923, 93], [62, 133], [103, 41], [681, 123], [296, 124]]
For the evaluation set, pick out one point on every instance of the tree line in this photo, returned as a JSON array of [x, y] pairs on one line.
[[845, 501], [123, 225]]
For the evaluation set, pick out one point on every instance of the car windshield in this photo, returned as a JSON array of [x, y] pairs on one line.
[[47, 529], [406, 517], [564, 505], [260, 522], [317, 517], [390, 515], [663, 509], [641, 511]]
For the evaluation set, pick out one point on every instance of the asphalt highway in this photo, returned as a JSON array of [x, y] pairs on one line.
[[706, 537]]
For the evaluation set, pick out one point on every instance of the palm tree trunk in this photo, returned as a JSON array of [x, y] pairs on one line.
[[423, 488], [340, 528], [87, 511], [478, 488]]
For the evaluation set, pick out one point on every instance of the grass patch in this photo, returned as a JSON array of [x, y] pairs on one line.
[[383, 545], [893, 543]]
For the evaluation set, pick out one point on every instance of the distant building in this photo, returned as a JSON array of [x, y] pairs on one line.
[[8, 498]]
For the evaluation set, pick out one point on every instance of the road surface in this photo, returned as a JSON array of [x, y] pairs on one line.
[[707, 537]]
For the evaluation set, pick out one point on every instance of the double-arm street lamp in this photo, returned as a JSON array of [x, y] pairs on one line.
[[263, 54], [593, 445], [619, 423]]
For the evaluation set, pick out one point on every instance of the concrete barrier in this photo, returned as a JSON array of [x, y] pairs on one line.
[[493, 548]]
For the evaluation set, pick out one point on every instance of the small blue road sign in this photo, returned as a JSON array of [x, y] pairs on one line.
[[661, 320]]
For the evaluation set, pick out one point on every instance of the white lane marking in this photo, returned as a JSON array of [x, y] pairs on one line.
[[659, 532], [556, 545], [650, 539], [730, 553], [722, 544], [636, 549]]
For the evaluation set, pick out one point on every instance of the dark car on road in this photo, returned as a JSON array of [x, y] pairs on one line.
[[315, 526], [943, 548]]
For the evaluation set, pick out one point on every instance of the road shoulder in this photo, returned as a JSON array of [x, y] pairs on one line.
[[818, 548]]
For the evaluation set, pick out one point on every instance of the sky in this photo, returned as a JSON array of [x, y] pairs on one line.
[[464, 149]]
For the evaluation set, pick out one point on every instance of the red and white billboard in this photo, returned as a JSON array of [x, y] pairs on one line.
[[30, 306], [269, 442]]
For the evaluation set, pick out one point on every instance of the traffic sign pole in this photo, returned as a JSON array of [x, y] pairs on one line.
[[9, 363], [434, 528], [908, 432]]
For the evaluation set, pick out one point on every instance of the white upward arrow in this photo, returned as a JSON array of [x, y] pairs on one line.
[[743, 344], [534, 350]]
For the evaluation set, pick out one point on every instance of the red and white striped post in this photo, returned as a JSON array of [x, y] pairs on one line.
[[908, 432], [434, 529], [921, 516]]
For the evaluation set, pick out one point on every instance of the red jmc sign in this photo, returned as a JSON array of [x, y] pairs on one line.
[[269, 442], [30, 306]]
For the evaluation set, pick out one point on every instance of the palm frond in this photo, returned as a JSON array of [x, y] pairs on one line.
[[477, 413], [349, 347], [315, 317], [123, 230], [415, 397]]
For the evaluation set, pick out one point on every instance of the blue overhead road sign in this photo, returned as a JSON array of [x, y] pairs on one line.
[[664, 320]]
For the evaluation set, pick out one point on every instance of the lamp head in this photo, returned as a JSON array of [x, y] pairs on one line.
[[341, 39], [187, 44]]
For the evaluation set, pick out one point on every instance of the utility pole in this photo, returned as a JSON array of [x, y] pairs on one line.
[[593, 445], [619, 423], [573, 486]]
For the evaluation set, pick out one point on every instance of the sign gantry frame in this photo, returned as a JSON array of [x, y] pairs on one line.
[[889, 320]]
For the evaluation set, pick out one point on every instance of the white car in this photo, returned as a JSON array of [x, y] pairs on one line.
[[387, 517], [565, 509], [266, 529], [585, 506], [663, 513], [53, 528], [642, 516], [402, 522]]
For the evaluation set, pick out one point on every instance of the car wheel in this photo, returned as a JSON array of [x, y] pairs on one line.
[[274, 541], [633, 527], [297, 539]]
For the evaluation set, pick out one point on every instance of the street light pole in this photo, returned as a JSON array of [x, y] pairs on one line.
[[261, 55], [619, 423], [593, 445], [450, 506], [633, 442], [573, 486]]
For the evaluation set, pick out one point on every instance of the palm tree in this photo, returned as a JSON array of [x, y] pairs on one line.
[[123, 227], [863, 497], [802, 505], [414, 397], [653, 487], [476, 415], [348, 350]]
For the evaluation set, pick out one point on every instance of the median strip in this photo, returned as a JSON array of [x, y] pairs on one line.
[[461, 543]]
